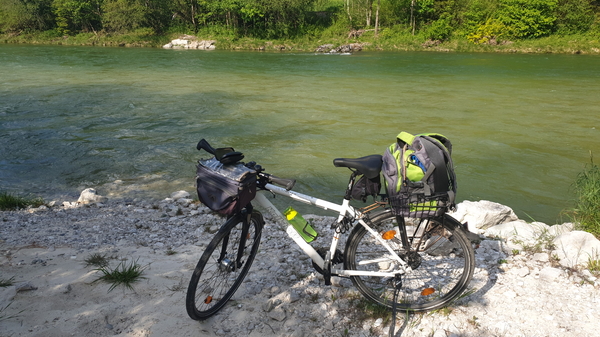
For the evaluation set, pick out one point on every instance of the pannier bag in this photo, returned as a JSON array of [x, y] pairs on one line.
[[224, 188], [364, 187], [419, 175]]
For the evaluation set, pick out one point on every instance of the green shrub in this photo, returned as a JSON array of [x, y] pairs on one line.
[[491, 29], [440, 29], [587, 202]]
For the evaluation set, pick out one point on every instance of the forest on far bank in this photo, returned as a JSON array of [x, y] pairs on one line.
[[388, 22]]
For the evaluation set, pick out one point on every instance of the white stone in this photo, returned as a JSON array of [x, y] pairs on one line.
[[180, 195], [523, 271], [550, 274], [277, 314], [541, 257]]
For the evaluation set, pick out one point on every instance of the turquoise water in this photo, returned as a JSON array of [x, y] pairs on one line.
[[522, 126]]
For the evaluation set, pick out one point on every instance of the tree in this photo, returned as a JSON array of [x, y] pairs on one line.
[[73, 16], [128, 15], [17, 15], [574, 16]]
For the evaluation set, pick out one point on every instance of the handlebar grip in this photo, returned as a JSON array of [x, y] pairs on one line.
[[204, 145], [287, 183]]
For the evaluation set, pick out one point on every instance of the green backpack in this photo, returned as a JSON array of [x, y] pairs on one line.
[[419, 175]]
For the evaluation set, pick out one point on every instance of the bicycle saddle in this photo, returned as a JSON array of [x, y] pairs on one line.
[[370, 166]]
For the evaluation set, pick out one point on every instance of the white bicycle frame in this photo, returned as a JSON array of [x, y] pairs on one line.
[[345, 209]]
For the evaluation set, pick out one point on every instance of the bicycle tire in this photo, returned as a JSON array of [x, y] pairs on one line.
[[217, 275], [442, 263]]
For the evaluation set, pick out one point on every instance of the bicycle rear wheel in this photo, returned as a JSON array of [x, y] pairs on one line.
[[223, 266], [440, 257]]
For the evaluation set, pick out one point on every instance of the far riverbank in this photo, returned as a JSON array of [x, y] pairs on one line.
[[575, 44]]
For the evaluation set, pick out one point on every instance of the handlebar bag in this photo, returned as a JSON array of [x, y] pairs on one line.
[[224, 188]]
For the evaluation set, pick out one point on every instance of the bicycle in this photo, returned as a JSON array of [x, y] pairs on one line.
[[411, 265]]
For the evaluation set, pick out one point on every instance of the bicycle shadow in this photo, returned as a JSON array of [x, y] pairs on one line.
[[484, 279]]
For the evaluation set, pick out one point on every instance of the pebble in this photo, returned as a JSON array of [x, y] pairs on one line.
[[524, 295]]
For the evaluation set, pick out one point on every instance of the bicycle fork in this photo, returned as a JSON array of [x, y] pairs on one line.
[[225, 264]]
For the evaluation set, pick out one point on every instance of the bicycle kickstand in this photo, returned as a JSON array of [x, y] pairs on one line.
[[397, 282]]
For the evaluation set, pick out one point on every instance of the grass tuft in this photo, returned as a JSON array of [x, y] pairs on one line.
[[594, 266], [587, 204], [9, 202], [6, 282], [97, 260], [124, 274], [4, 316], [374, 310]]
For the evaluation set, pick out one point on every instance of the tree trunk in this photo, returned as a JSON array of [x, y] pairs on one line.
[[348, 10], [193, 14], [412, 16], [377, 18], [369, 12]]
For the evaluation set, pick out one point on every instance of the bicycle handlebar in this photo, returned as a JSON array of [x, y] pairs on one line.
[[204, 145], [288, 184]]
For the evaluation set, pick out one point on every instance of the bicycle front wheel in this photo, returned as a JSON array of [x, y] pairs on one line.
[[440, 262], [223, 266]]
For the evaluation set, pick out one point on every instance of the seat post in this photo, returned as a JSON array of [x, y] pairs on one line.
[[348, 195]]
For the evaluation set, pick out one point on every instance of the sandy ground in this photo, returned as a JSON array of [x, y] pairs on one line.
[[68, 303], [519, 298]]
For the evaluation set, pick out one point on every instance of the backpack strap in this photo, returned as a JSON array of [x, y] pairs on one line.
[[437, 160]]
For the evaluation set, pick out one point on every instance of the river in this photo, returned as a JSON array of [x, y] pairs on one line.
[[522, 125]]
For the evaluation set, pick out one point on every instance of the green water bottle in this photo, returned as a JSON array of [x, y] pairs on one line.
[[302, 226]]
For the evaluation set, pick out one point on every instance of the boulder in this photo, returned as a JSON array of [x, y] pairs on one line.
[[576, 248], [190, 42], [180, 42], [518, 234], [557, 230], [483, 214], [89, 196], [325, 48]]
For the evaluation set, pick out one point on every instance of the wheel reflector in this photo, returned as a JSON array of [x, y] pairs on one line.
[[208, 299], [389, 235], [427, 291]]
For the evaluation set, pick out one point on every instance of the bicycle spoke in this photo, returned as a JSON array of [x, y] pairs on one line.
[[434, 275]]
